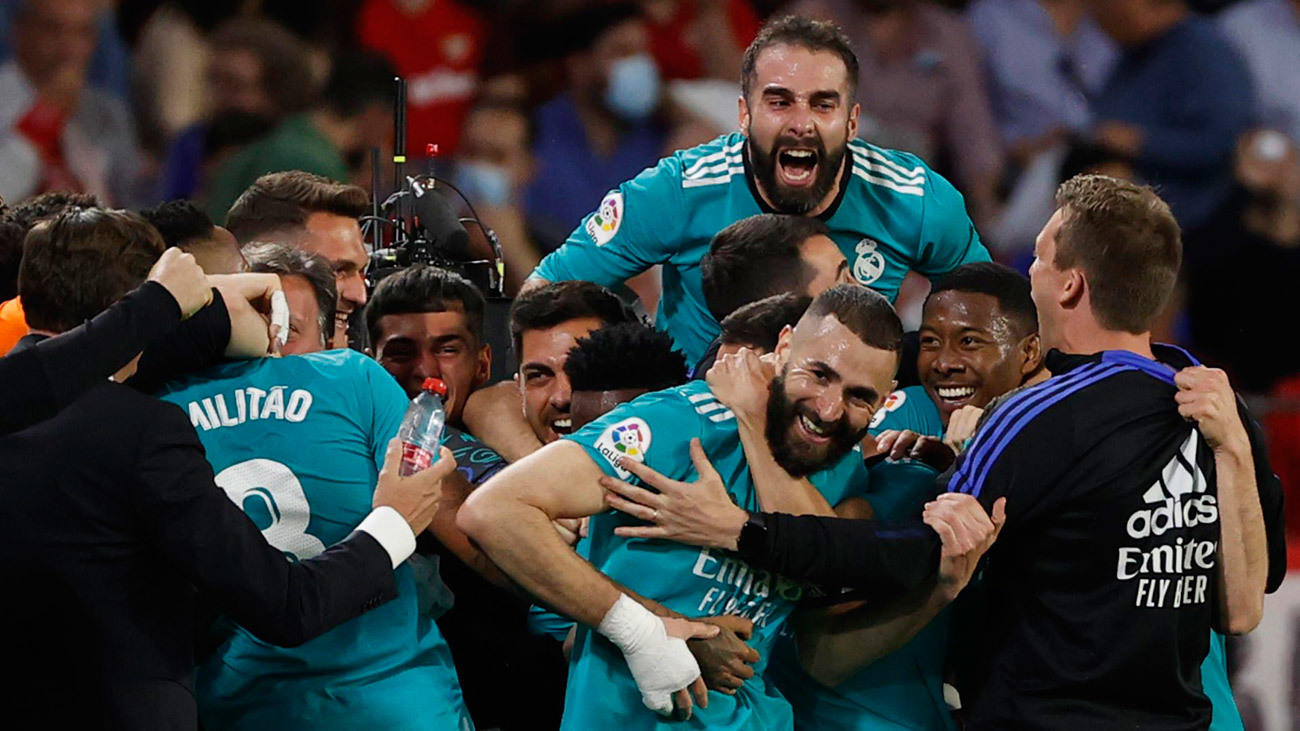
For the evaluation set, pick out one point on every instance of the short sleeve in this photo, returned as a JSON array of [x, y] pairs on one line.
[[948, 237], [636, 226], [655, 429]]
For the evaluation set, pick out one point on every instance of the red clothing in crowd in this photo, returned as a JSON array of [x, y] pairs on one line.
[[438, 49], [673, 40]]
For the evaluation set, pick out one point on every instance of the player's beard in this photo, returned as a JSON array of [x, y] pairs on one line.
[[795, 455], [788, 200]]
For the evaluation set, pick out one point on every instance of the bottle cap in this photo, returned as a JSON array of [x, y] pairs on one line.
[[436, 385]]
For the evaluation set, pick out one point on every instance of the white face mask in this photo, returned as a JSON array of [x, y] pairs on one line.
[[633, 89]]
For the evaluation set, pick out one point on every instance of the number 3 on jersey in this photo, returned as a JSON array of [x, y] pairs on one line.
[[269, 492]]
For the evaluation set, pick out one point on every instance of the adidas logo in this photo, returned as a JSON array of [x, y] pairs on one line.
[[706, 404], [1179, 496]]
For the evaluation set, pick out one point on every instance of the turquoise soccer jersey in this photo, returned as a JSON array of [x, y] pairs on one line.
[[903, 690], [298, 443], [657, 429], [894, 214]]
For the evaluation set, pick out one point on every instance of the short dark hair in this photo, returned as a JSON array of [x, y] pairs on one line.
[[626, 355], [78, 264], [283, 201], [45, 206], [795, 30], [865, 312], [756, 257], [287, 260], [20, 219], [423, 288], [1006, 285], [557, 302], [1128, 244], [759, 324], [582, 26], [180, 222], [285, 60]]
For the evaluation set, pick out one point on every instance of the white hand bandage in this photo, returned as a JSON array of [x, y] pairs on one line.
[[660, 665], [280, 315]]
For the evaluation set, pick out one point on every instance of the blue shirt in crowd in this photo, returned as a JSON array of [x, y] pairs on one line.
[[1190, 93]]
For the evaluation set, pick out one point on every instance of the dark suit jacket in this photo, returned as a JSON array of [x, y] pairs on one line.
[[109, 522]]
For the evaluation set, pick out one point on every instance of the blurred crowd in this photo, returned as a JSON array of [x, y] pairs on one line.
[[536, 109]]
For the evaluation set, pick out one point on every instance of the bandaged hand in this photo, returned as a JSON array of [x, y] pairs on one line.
[[655, 648]]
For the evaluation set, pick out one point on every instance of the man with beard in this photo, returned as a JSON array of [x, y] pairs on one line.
[[796, 154], [836, 368]]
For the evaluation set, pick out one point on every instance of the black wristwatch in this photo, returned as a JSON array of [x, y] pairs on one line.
[[752, 544]]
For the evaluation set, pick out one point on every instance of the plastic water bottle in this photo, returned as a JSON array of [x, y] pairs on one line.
[[421, 431]]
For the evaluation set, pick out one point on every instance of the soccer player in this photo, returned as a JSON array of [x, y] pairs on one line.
[[796, 153], [297, 443], [838, 364], [516, 419], [308, 282], [1133, 531]]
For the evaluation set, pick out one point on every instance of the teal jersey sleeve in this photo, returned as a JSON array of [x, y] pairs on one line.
[[908, 408], [948, 237], [388, 405], [655, 429], [638, 225]]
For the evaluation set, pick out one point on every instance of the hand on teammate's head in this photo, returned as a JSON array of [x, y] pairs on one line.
[[183, 278]]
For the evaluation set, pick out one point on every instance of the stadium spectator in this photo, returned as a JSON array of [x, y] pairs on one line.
[[1266, 34], [319, 216], [308, 284], [798, 155], [57, 133], [600, 129], [1257, 230], [258, 74], [1045, 60], [426, 322], [493, 169], [691, 39], [438, 46], [1175, 105], [185, 225], [331, 139]]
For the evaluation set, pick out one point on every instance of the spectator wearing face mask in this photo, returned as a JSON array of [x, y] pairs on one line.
[[600, 130], [493, 169]]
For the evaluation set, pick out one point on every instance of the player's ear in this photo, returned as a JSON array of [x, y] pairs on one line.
[[1031, 350], [1074, 286], [484, 373], [854, 111], [742, 114], [782, 350]]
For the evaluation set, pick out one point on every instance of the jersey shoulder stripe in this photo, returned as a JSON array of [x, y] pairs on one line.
[[1012, 417], [707, 405], [714, 162], [899, 172]]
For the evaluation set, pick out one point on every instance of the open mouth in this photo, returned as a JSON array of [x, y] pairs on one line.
[[797, 166], [562, 426], [813, 430], [954, 395]]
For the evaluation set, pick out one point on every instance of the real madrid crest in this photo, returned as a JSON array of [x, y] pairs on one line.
[[870, 264]]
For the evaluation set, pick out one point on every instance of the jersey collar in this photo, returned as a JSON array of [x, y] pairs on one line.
[[824, 215], [1169, 359]]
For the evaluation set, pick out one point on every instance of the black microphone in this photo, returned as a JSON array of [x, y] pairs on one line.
[[439, 222]]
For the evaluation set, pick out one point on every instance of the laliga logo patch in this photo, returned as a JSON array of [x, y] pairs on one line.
[[604, 223], [628, 438], [895, 400], [870, 264]]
